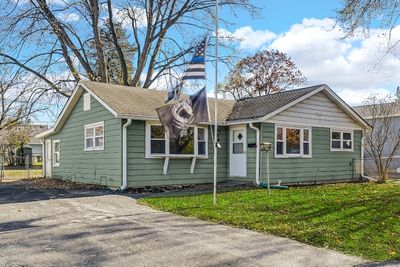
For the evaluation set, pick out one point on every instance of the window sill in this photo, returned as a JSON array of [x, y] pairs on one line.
[[56, 165], [293, 156], [93, 149], [176, 156], [341, 150]]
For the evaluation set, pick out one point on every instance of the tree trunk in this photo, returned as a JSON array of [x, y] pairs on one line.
[[124, 69], [94, 9]]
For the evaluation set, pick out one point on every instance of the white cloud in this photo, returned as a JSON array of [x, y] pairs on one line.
[[71, 17], [357, 97], [353, 67], [248, 38], [122, 16]]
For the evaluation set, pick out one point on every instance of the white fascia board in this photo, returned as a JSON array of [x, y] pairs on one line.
[[65, 112]]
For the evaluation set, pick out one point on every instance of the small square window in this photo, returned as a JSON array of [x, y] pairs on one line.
[[341, 140], [94, 136]]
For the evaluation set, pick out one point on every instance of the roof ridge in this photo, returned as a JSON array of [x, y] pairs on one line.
[[281, 92]]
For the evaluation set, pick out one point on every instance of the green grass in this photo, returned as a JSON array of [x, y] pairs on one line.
[[22, 173], [357, 219]]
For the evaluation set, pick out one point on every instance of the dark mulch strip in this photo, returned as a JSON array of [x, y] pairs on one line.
[[186, 188], [47, 183], [56, 184]]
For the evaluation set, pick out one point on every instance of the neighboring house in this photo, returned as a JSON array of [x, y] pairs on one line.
[[34, 143], [110, 134], [365, 111]]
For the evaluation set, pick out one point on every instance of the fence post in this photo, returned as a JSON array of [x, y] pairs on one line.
[[27, 165], [1, 169]]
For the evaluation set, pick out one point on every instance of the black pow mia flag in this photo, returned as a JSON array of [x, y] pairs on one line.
[[176, 118]]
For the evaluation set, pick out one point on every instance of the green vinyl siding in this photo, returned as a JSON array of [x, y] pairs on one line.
[[144, 171], [325, 165], [99, 167]]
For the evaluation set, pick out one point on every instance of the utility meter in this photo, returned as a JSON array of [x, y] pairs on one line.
[[264, 146]]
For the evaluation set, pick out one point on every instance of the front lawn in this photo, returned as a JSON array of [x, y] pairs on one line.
[[18, 174], [357, 219]]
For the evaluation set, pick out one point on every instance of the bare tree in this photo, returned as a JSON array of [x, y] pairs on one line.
[[20, 97], [264, 73], [358, 15], [163, 33], [382, 142]]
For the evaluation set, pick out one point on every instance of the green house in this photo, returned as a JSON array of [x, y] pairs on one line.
[[111, 135]]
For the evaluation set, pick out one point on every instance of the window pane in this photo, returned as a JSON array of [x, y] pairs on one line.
[[89, 142], [157, 132], [306, 135], [335, 144], [279, 148], [99, 141], [183, 144], [57, 157], [56, 147], [306, 148], [201, 148], [279, 134], [201, 135], [237, 148], [292, 141], [238, 136], [347, 144], [99, 130], [157, 147], [346, 136], [89, 132], [335, 135]]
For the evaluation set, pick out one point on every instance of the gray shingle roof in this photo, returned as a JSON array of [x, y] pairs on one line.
[[138, 102], [365, 111], [257, 107], [131, 102]]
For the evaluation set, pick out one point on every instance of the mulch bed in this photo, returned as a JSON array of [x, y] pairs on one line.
[[56, 184]]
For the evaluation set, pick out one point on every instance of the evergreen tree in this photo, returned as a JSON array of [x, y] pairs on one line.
[[111, 55]]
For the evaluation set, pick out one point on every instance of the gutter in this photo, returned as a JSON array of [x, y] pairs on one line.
[[257, 152], [125, 154], [362, 163]]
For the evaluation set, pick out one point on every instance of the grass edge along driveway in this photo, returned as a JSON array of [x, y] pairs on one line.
[[357, 219]]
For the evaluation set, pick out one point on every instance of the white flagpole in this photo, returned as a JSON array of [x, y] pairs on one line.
[[215, 105]]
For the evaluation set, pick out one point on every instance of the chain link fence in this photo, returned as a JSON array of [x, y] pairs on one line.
[[19, 167]]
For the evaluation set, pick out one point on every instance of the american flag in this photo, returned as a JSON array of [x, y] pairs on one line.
[[197, 66]]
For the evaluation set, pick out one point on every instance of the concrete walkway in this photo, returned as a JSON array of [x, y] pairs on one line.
[[74, 229]]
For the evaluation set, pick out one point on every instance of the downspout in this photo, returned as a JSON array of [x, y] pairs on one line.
[[362, 163], [257, 152], [43, 158], [125, 154]]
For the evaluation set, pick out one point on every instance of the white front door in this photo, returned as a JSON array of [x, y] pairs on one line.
[[238, 149], [48, 158]]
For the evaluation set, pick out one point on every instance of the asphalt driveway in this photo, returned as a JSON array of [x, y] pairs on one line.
[[49, 228]]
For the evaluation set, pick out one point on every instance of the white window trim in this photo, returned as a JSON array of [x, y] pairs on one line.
[[301, 155], [53, 158], [94, 125], [341, 140], [167, 154]]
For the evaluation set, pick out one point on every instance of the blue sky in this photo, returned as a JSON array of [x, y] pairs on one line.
[[279, 16]]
